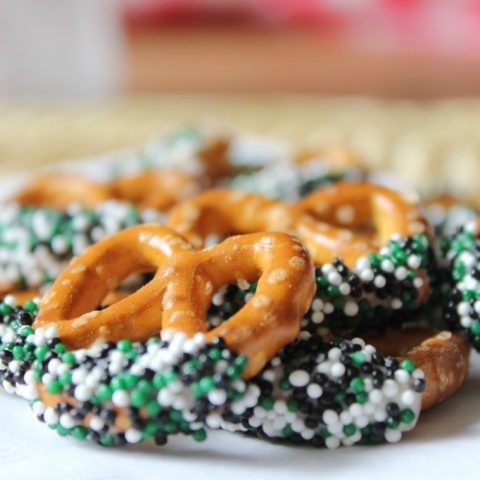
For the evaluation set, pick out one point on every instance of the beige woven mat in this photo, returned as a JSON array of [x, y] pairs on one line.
[[431, 143]]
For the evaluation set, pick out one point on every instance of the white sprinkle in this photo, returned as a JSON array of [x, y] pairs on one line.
[[299, 378], [351, 308], [67, 421], [133, 436], [338, 369], [120, 398], [366, 275], [414, 261], [217, 396], [330, 417], [314, 391]]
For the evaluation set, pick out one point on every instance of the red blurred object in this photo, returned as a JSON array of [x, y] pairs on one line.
[[417, 41]]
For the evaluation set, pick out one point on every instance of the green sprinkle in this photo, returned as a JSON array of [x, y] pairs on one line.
[[104, 392], [358, 358], [63, 431], [215, 354], [129, 380], [68, 357], [408, 365], [17, 352], [159, 381], [5, 309], [357, 384], [292, 406], [392, 423], [25, 331], [138, 398], [124, 345], [206, 384], [30, 306], [349, 430], [199, 435], [475, 328], [106, 440], [361, 397], [40, 352], [60, 348], [407, 415], [54, 387], [79, 432], [65, 378], [117, 383], [153, 408], [267, 403], [324, 432], [170, 376]]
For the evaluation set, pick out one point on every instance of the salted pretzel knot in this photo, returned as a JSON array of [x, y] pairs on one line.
[[180, 293], [347, 220]]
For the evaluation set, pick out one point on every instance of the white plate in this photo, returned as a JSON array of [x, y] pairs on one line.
[[444, 445]]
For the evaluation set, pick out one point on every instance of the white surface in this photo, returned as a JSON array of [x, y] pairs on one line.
[[444, 445]]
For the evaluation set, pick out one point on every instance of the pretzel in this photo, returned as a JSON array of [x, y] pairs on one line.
[[152, 189], [21, 297], [442, 356], [335, 221], [106, 393], [37, 243], [58, 190], [346, 392], [159, 190], [350, 220], [174, 301], [179, 295], [336, 158]]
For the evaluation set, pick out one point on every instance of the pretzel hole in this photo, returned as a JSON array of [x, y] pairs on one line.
[[228, 300]]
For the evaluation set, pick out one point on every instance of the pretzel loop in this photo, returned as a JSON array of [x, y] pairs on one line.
[[180, 293], [348, 220]]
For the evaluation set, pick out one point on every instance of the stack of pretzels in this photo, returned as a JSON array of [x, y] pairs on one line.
[[190, 295]]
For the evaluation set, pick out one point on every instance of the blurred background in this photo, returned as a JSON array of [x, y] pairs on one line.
[[397, 81]]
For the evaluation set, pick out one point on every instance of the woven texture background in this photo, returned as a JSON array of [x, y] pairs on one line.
[[432, 144]]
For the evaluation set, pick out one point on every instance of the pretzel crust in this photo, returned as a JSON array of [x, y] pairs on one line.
[[348, 220], [157, 189], [58, 190], [443, 357], [180, 293], [352, 219]]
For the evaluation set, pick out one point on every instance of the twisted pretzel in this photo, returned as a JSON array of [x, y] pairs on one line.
[[58, 190], [179, 295], [348, 220], [151, 189]]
